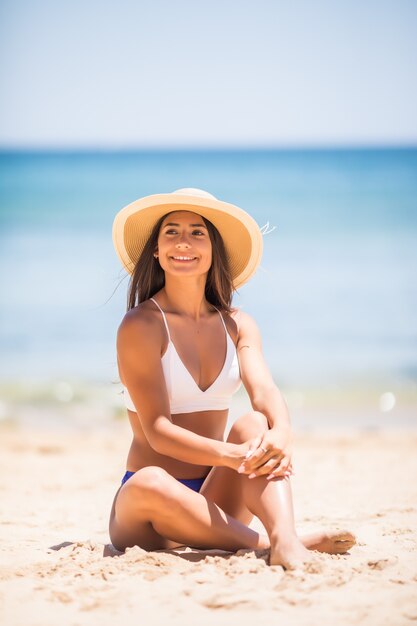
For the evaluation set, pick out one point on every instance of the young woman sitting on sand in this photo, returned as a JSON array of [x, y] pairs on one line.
[[183, 351]]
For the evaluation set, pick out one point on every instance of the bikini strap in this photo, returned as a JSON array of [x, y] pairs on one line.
[[166, 323], [164, 318], [221, 317]]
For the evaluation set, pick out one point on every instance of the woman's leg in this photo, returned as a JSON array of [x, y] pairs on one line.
[[154, 511], [271, 502]]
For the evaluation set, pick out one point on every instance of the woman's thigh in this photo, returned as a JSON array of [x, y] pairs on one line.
[[223, 485], [130, 515]]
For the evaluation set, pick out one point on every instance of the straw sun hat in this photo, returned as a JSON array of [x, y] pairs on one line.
[[241, 234]]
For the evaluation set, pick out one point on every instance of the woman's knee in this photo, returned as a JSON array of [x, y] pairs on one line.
[[247, 426], [143, 497], [148, 485]]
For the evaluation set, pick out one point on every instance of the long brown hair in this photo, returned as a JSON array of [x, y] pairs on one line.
[[148, 277]]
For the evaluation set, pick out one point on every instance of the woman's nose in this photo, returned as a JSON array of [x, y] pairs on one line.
[[183, 242]]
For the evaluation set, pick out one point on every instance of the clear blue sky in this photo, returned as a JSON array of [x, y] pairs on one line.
[[178, 73]]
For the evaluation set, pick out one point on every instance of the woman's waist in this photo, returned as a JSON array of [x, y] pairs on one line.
[[139, 457]]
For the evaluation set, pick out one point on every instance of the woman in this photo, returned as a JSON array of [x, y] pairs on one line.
[[182, 353]]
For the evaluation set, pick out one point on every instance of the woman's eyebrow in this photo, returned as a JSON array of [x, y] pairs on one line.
[[193, 225]]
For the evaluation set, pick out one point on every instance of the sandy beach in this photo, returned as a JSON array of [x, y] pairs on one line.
[[57, 565]]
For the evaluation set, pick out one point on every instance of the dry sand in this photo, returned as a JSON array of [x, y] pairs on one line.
[[57, 565]]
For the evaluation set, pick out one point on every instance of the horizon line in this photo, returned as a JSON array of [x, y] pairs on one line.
[[94, 148]]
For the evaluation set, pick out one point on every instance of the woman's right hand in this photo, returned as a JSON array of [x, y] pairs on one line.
[[238, 452]]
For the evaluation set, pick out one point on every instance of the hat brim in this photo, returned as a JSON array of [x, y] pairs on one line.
[[241, 235]]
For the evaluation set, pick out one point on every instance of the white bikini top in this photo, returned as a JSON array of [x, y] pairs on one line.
[[185, 396]]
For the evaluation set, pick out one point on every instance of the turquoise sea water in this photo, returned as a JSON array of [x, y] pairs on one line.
[[335, 297]]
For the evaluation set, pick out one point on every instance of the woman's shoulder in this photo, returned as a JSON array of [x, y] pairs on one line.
[[138, 342], [238, 322], [240, 317], [140, 321]]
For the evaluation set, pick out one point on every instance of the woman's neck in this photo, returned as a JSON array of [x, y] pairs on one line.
[[185, 297]]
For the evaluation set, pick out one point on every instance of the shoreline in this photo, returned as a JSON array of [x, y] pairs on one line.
[[73, 405]]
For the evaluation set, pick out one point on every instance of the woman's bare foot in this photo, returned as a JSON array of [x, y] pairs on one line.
[[331, 541], [291, 554]]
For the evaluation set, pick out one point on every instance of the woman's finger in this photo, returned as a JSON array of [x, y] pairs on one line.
[[259, 457], [266, 468], [282, 469], [253, 445], [276, 466], [277, 463]]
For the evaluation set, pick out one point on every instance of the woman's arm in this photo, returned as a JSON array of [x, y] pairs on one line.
[[139, 342], [266, 398], [256, 377]]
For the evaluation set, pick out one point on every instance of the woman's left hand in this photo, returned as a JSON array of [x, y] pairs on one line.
[[272, 456]]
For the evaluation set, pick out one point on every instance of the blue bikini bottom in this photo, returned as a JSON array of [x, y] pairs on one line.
[[193, 483]]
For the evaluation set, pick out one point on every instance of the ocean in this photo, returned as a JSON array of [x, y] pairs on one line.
[[335, 297]]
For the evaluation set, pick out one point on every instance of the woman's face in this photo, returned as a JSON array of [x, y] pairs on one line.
[[184, 246]]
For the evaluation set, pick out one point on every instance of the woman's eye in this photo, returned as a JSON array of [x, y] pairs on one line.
[[173, 232]]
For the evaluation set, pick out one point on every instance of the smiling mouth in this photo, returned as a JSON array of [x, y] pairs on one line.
[[183, 259]]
